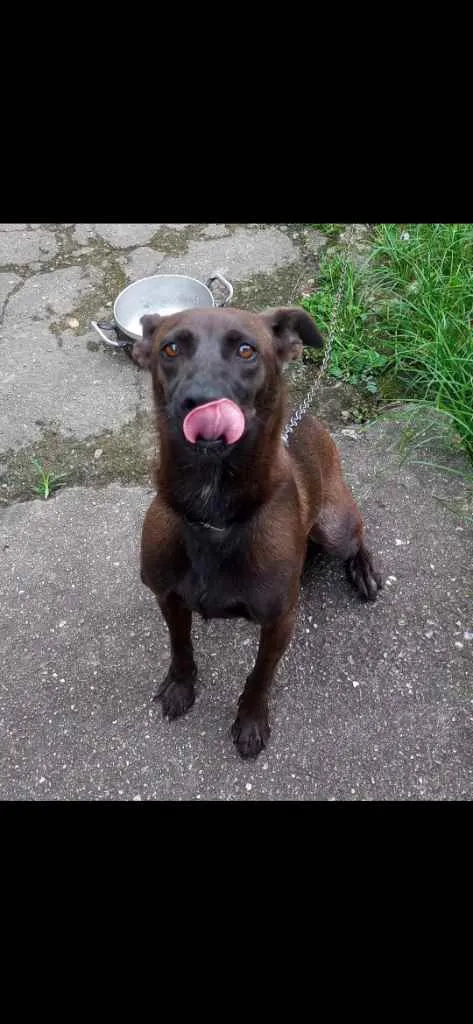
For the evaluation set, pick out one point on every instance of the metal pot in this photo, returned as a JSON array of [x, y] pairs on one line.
[[163, 294]]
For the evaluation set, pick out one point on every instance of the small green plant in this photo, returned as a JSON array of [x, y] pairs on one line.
[[47, 482], [332, 230]]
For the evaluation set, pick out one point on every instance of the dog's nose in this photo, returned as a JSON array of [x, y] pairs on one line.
[[200, 394]]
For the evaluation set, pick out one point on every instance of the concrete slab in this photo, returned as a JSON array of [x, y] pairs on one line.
[[54, 380], [240, 255], [47, 296], [371, 702], [143, 262], [216, 231], [83, 233], [122, 236], [22, 247], [7, 283]]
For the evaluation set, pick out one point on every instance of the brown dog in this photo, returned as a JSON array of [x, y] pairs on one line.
[[227, 533]]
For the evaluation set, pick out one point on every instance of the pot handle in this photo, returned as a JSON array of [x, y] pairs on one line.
[[100, 327], [219, 277]]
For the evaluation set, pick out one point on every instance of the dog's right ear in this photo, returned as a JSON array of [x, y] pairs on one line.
[[292, 328], [141, 351]]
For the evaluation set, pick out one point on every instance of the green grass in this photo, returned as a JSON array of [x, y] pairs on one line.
[[331, 230], [47, 482], [405, 326]]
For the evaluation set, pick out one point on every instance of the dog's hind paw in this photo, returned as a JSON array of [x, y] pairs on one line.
[[361, 573], [175, 697], [250, 734]]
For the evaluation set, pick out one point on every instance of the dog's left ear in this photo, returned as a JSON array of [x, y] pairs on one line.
[[292, 329], [141, 351]]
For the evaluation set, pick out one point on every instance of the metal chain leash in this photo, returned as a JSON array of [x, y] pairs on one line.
[[304, 406]]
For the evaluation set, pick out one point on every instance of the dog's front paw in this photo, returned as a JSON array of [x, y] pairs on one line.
[[175, 697], [362, 574], [250, 732]]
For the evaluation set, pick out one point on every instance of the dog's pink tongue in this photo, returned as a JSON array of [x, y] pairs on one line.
[[215, 419]]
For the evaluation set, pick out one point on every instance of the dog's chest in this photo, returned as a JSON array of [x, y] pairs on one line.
[[216, 582]]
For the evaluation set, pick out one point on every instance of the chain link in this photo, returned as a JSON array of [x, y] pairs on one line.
[[307, 401]]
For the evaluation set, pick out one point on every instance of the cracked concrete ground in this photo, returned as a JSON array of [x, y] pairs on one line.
[[370, 702]]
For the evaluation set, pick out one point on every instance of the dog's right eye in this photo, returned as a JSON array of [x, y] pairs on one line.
[[170, 350], [246, 351]]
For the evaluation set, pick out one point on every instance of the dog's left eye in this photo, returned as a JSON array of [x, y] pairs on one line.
[[246, 351], [170, 349]]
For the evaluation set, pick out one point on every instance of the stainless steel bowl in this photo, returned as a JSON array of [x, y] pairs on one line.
[[163, 294]]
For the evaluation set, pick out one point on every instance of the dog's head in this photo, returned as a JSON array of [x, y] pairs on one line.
[[217, 373]]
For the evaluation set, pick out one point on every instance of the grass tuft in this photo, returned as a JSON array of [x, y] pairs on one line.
[[405, 325]]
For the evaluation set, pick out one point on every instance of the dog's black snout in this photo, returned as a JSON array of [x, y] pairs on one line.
[[199, 394]]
